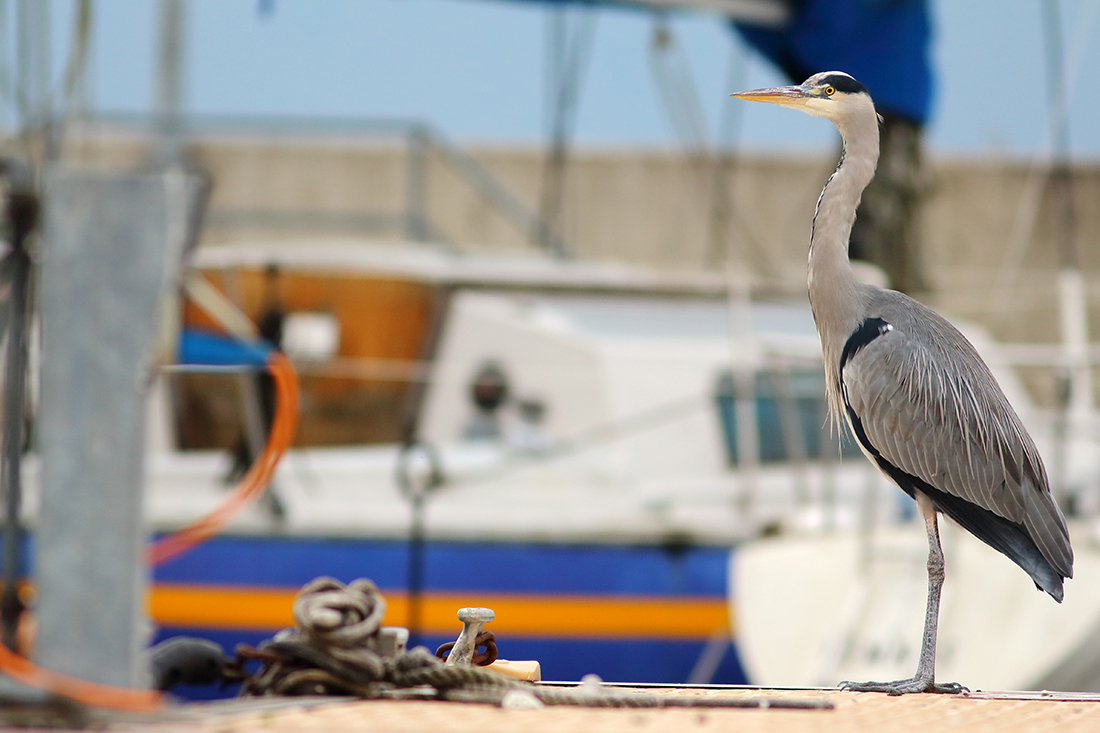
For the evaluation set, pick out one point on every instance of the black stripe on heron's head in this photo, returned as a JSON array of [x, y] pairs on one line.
[[865, 333], [843, 83]]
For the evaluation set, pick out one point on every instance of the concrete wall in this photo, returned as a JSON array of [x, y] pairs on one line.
[[990, 233]]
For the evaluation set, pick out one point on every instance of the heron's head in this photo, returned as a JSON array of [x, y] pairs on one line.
[[833, 95]]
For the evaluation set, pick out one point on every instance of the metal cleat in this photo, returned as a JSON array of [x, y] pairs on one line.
[[473, 619]]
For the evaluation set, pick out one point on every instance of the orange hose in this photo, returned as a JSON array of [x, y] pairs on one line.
[[283, 425], [89, 693]]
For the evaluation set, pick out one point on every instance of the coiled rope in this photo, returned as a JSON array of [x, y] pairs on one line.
[[336, 648]]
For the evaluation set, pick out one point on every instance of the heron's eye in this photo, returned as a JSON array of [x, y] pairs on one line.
[[829, 91]]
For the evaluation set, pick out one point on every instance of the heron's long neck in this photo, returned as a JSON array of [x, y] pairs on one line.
[[834, 290]]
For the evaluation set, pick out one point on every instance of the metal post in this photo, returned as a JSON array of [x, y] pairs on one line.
[[419, 473], [416, 205], [415, 580], [1074, 377], [169, 89], [110, 251], [790, 425], [744, 361], [33, 70]]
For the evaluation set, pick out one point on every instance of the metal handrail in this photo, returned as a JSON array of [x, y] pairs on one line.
[[421, 139]]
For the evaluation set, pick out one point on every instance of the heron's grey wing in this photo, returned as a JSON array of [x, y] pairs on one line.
[[935, 412]]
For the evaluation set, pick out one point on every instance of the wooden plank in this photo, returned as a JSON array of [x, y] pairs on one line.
[[851, 713]]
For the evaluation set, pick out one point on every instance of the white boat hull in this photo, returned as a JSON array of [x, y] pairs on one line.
[[816, 610]]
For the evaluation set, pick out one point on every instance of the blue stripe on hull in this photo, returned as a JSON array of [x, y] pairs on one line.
[[457, 566], [598, 570]]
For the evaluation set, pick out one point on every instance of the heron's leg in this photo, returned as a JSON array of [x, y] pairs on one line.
[[925, 678]]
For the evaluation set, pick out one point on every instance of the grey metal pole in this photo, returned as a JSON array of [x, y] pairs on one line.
[[112, 244], [170, 79], [416, 205], [33, 72]]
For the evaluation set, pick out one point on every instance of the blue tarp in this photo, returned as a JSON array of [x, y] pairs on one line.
[[213, 349], [883, 43]]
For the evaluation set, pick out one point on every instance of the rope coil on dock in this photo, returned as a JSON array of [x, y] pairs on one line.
[[337, 648]]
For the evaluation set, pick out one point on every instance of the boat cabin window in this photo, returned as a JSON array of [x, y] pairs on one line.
[[791, 416]]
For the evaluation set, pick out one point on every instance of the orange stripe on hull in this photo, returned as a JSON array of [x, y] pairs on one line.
[[519, 615]]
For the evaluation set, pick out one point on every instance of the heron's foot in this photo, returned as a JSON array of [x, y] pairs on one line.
[[905, 687]]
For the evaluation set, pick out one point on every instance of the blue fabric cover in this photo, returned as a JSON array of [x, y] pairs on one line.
[[213, 349], [882, 43]]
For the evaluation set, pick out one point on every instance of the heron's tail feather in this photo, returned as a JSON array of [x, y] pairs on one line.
[[1014, 540], [1007, 537]]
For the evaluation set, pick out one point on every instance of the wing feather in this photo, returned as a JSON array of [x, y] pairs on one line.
[[929, 406]]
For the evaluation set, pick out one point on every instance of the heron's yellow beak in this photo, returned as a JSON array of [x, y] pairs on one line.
[[792, 96]]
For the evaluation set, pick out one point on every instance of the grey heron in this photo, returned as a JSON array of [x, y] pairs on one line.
[[924, 407]]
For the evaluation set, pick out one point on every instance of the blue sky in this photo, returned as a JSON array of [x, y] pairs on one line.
[[475, 69]]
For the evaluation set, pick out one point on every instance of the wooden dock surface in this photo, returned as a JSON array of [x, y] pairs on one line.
[[851, 712]]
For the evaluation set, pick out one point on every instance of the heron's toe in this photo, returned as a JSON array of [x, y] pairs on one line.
[[947, 688], [904, 687]]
